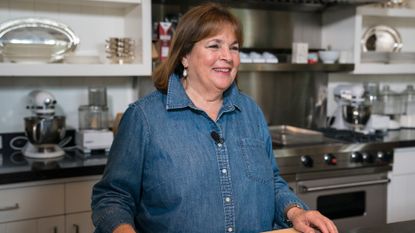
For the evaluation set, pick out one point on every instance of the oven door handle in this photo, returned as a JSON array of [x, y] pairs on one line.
[[305, 189]]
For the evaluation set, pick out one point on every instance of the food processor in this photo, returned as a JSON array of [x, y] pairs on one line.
[[353, 110], [44, 130], [94, 133]]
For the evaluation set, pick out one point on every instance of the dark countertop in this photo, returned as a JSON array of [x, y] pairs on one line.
[[15, 167], [399, 227]]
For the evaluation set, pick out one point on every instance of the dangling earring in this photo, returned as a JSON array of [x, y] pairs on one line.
[[184, 72]]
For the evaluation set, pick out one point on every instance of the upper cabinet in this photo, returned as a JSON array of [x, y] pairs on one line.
[[94, 22], [347, 30]]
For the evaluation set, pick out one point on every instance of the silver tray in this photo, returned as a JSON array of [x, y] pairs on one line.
[[36, 40], [381, 38]]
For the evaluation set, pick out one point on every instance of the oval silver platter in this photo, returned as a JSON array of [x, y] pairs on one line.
[[381, 38], [36, 40]]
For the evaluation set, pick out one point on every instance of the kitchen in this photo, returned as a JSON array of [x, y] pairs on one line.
[[69, 82]]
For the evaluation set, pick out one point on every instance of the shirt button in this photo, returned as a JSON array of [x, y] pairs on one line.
[[228, 199], [219, 144], [224, 171], [230, 229]]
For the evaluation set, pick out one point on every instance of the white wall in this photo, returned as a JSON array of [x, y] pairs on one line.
[[70, 92]]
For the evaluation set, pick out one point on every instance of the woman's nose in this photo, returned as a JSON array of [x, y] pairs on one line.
[[226, 54]]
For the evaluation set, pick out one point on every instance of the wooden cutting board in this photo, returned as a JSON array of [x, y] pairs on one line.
[[288, 230]]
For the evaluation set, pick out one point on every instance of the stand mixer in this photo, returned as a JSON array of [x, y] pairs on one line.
[[44, 130], [353, 110]]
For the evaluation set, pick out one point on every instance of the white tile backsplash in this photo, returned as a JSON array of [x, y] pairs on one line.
[[70, 93]]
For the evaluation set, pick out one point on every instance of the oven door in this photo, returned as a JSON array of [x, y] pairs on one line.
[[350, 201]]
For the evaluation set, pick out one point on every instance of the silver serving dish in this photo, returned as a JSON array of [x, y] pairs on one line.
[[36, 40], [381, 38]]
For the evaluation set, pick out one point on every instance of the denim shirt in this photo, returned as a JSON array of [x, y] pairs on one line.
[[165, 172]]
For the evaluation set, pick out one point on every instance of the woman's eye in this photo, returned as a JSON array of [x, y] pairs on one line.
[[214, 46], [235, 48]]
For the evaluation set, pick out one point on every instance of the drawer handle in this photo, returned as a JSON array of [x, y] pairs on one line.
[[7, 208], [76, 226]]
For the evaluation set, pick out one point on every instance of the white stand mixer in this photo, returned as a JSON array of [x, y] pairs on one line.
[[353, 111], [44, 130]]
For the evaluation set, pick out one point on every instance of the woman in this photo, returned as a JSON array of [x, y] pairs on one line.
[[196, 155]]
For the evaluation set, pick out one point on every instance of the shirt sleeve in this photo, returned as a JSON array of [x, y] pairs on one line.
[[116, 196], [284, 196]]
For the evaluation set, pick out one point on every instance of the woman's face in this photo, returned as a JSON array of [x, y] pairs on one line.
[[213, 62]]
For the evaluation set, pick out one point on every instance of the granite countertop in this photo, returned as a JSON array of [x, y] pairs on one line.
[[15, 167]]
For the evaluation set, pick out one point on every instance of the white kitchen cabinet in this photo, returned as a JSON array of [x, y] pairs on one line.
[[78, 206], [343, 30], [31, 202], [79, 223], [54, 206], [18, 227], [401, 189], [51, 225], [93, 21], [42, 225]]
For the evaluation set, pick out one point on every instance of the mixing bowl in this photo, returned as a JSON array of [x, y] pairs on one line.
[[356, 115], [40, 131]]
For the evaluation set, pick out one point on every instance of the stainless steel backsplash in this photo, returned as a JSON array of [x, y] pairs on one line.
[[288, 98], [294, 98]]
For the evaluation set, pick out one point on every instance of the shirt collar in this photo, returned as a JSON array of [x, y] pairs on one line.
[[177, 97]]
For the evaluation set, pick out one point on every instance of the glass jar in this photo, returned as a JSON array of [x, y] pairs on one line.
[[93, 117], [408, 96], [391, 101]]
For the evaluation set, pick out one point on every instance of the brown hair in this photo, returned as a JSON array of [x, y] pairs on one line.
[[196, 24]]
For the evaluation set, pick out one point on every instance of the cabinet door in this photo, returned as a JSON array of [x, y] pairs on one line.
[[78, 196], [31, 202], [401, 190], [18, 227], [79, 223], [51, 225]]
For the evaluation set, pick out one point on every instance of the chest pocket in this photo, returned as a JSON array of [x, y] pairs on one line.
[[257, 165]]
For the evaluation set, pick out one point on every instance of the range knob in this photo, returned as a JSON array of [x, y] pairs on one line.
[[384, 157], [307, 161], [367, 157], [356, 157], [330, 159]]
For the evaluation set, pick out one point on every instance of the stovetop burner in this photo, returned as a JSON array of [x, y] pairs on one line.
[[352, 136]]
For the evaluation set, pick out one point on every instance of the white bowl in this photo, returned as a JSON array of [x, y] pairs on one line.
[[328, 57]]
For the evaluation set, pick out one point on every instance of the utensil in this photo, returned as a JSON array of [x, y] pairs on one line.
[[36, 40], [381, 38]]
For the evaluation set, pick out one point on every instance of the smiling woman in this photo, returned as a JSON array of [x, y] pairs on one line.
[[197, 151]]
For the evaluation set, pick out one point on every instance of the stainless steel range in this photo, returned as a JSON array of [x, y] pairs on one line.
[[344, 180]]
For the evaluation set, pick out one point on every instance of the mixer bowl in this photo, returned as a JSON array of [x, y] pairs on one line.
[[41, 131], [356, 115]]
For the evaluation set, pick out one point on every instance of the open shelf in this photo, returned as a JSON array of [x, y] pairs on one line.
[[93, 21], [289, 67]]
